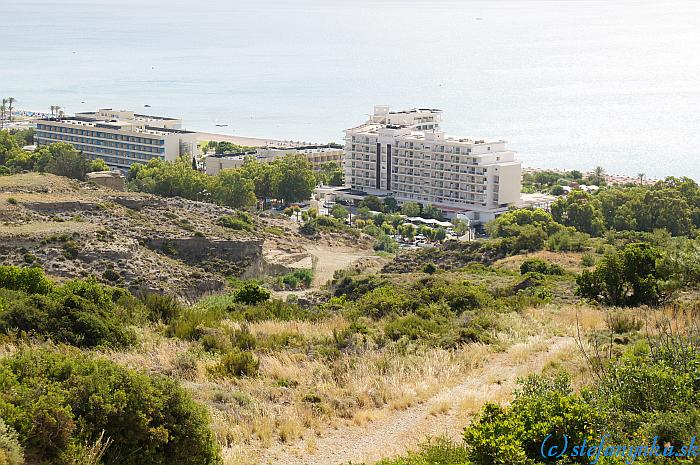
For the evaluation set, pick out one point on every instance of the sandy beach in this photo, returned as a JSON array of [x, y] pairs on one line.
[[249, 141]]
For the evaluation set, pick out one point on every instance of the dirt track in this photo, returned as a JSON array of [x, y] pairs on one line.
[[395, 432]]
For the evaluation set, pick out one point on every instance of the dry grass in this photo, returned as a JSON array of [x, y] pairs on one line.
[[306, 329], [440, 408], [364, 416], [520, 352], [562, 320], [289, 429], [296, 397]]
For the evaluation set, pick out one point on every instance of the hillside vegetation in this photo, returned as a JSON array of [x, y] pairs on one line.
[[547, 327]]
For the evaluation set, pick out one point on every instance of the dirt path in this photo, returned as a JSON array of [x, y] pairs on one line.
[[446, 413], [328, 259], [325, 260]]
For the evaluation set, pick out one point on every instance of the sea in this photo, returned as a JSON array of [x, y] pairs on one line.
[[570, 84]]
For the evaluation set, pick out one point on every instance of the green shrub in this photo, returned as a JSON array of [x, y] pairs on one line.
[[251, 294], [216, 340], [587, 259], [354, 287], [619, 323], [71, 249], [29, 280], [12, 201], [83, 313], [514, 435], [538, 265], [274, 230], [160, 307], [385, 300], [481, 328], [110, 275], [243, 338], [459, 295], [238, 363], [568, 241], [301, 276], [429, 268], [385, 243], [437, 451], [192, 321], [11, 452], [61, 402], [628, 277], [271, 310], [241, 221], [427, 323], [309, 228]]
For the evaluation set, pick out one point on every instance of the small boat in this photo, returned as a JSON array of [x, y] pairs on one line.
[[147, 106], [221, 125]]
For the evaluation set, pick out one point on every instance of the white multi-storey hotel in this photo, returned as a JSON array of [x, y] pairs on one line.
[[404, 154], [120, 138]]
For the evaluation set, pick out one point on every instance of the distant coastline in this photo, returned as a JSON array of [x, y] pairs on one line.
[[28, 116]]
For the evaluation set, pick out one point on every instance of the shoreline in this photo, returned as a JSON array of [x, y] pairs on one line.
[[248, 141], [27, 116]]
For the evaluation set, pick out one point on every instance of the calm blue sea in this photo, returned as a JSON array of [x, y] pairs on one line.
[[569, 83]]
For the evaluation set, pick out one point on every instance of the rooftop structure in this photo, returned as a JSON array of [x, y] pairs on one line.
[[119, 137]]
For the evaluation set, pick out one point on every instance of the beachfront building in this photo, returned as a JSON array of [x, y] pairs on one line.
[[405, 154], [121, 138], [317, 155]]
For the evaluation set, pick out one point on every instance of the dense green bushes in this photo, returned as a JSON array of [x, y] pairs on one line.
[[298, 279], [11, 452], [537, 265], [440, 451], [29, 280], [524, 230], [514, 435], [250, 293], [61, 403], [672, 204], [83, 313], [59, 158], [237, 363], [628, 277], [240, 221], [289, 178]]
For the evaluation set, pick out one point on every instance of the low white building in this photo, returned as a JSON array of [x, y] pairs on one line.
[[317, 155], [120, 138], [404, 154]]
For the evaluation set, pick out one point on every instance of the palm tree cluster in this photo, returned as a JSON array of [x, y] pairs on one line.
[[55, 111], [6, 110]]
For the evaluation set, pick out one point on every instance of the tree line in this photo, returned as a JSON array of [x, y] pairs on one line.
[[59, 158], [286, 179]]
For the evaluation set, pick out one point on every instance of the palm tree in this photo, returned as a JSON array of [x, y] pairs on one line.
[[3, 109], [11, 101], [53, 110], [641, 177]]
